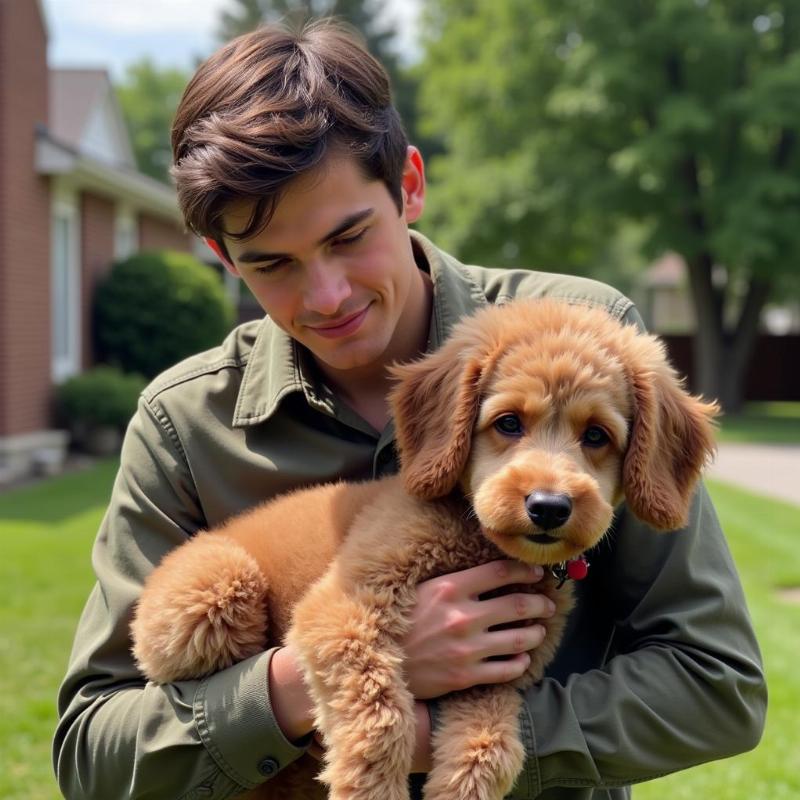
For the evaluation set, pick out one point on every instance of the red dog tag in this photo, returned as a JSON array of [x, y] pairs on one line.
[[578, 568]]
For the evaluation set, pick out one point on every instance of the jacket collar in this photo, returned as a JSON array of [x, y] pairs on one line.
[[278, 366]]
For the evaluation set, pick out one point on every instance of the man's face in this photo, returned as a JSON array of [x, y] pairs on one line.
[[334, 268]]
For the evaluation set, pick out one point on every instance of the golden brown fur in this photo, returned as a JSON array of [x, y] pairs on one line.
[[460, 500]]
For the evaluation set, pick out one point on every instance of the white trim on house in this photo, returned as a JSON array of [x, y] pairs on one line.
[[65, 282], [126, 232], [140, 191]]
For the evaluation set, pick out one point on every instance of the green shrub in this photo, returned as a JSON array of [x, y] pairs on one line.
[[100, 397], [156, 308]]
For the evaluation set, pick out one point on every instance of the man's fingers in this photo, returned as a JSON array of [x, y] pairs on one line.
[[451, 632], [512, 641], [494, 575], [515, 607], [501, 671]]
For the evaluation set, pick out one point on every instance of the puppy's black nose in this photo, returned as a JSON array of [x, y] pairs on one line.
[[547, 510]]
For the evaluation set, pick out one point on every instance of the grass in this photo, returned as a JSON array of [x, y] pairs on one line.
[[763, 423], [47, 532], [763, 537]]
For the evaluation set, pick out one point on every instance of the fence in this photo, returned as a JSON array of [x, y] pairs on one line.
[[773, 373]]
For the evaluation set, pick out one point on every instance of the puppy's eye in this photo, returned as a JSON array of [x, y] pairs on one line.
[[595, 436], [509, 425]]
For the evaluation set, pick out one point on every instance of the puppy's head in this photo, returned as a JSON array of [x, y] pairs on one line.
[[547, 415]]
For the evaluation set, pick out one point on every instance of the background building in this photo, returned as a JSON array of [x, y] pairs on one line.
[[71, 202]]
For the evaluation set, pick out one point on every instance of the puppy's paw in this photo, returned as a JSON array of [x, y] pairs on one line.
[[202, 609], [478, 754]]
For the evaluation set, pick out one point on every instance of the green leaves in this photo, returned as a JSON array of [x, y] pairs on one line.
[[596, 110], [155, 308], [149, 96], [566, 122]]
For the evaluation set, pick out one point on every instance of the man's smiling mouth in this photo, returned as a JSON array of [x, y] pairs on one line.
[[343, 327]]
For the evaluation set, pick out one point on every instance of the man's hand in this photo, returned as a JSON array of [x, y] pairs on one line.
[[446, 648], [450, 639], [289, 698]]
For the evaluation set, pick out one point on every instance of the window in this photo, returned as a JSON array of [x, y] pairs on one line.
[[65, 291], [126, 234]]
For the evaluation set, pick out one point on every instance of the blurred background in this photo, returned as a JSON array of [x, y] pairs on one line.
[[651, 144]]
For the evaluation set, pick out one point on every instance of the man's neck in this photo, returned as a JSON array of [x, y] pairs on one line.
[[365, 389]]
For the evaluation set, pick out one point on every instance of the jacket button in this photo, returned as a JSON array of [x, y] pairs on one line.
[[268, 767]]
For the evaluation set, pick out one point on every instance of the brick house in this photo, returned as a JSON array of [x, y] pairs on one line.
[[71, 202]]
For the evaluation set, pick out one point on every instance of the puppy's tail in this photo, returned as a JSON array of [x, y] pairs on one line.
[[202, 609]]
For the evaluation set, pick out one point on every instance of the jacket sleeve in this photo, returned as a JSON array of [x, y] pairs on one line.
[[682, 682], [119, 736]]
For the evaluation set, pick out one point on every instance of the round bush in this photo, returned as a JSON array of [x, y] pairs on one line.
[[156, 308], [100, 397]]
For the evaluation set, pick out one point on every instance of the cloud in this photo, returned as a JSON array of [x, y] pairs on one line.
[[114, 33], [137, 17]]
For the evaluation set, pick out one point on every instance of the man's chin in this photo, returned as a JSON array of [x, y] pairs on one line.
[[348, 356]]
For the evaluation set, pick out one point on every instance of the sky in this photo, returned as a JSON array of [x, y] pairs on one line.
[[114, 33]]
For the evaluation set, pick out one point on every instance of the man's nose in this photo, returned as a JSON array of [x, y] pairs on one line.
[[327, 286]]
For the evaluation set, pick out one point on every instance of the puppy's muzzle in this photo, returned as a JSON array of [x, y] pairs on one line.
[[547, 510]]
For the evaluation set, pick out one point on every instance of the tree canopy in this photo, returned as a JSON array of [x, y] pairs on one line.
[[149, 96], [564, 119]]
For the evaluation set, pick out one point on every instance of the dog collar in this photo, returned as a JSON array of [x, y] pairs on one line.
[[575, 569]]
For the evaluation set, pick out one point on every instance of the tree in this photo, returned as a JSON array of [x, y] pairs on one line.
[[149, 97], [564, 119]]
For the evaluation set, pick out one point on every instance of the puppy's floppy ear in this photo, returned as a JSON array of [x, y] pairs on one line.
[[672, 438], [435, 404]]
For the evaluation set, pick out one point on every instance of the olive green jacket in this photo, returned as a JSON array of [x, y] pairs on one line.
[[659, 670]]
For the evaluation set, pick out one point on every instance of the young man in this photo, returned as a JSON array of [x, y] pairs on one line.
[[292, 162]]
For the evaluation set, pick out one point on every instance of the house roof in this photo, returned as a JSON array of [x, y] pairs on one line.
[[84, 114], [73, 95], [86, 140]]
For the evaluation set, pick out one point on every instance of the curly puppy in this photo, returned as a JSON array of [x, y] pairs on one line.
[[517, 439]]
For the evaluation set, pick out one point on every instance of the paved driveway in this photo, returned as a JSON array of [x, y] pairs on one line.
[[772, 470]]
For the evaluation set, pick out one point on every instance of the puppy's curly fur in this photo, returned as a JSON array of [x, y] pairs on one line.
[[524, 403]]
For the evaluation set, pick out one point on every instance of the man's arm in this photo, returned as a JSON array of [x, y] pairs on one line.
[[119, 736], [683, 682]]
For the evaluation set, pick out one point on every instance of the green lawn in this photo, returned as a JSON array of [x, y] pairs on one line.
[[764, 536], [47, 531], [767, 423]]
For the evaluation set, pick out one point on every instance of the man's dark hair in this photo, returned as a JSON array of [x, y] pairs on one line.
[[269, 106]]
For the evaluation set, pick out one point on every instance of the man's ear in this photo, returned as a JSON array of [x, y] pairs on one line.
[[413, 185], [221, 255]]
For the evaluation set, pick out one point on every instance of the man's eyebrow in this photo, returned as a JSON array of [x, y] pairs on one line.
[[256, 257]]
